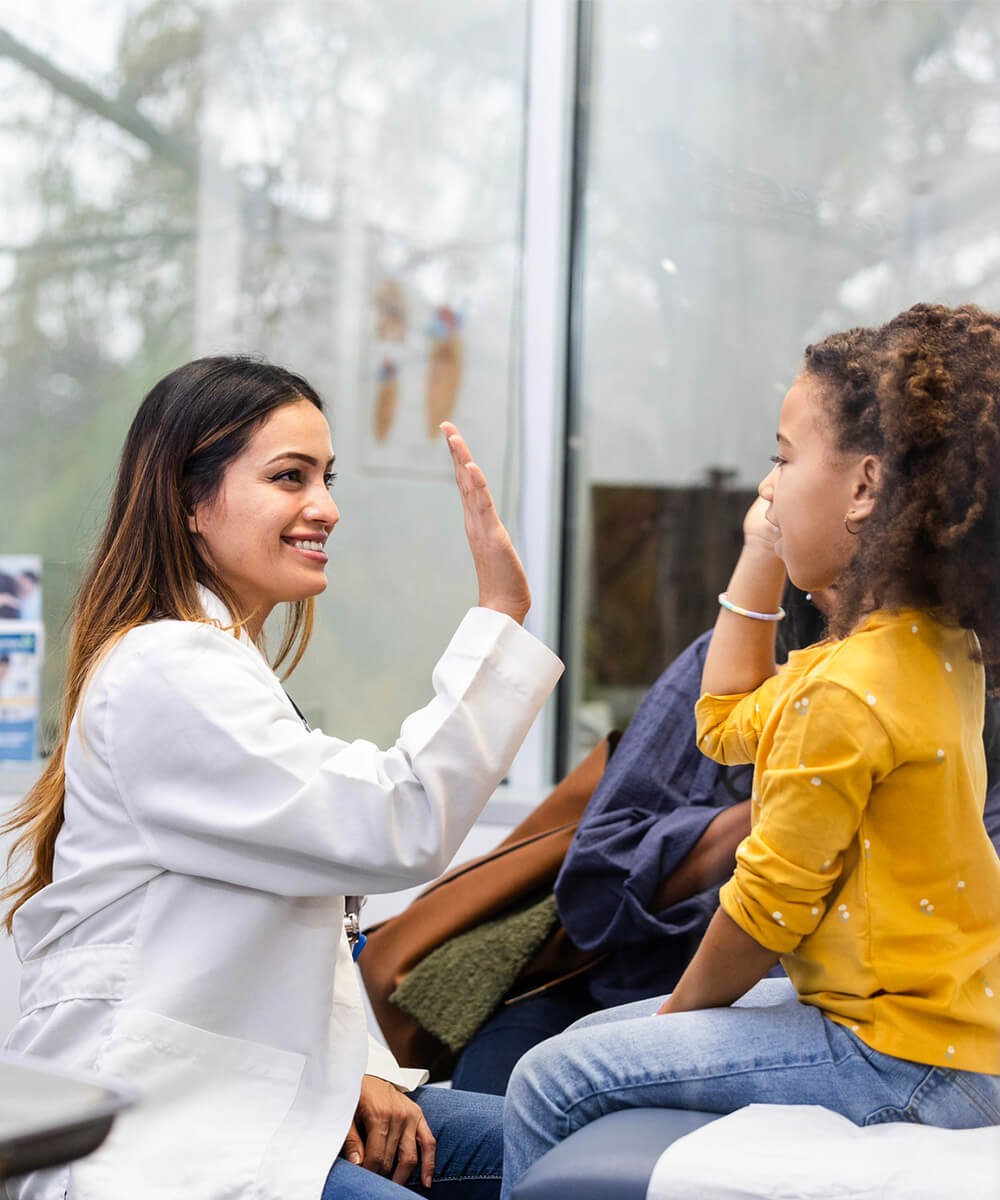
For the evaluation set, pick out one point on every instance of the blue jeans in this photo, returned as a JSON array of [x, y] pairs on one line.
[[766, 1049], [467, 1163]]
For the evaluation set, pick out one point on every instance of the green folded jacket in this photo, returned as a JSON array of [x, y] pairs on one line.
[[457, 986]]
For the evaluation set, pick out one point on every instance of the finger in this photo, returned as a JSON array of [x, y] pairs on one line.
[[406, 1155], [457, 445], [461, 460], [470, 478], [428, 1149], [380, 1152], [353, 1148], [476, 495], [468, 474], [376, 1136]]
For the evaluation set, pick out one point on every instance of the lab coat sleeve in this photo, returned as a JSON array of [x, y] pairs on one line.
[[222, 780], [382, 1062]]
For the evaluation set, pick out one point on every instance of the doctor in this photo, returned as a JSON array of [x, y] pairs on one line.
[[189, 847]]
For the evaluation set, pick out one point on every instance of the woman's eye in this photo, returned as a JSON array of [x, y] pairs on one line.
[[330, 478], [292, 475], [777, 459]]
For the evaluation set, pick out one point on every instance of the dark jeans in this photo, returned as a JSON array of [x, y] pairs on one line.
[[487, 1061]]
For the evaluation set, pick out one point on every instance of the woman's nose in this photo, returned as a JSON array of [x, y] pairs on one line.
[[323, 508]]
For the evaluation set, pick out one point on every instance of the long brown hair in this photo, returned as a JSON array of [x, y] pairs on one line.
[[146, 566]]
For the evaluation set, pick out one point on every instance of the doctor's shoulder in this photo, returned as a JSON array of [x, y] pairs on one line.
[[170, 657]]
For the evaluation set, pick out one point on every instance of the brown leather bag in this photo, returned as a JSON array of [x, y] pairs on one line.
[[525, 862]]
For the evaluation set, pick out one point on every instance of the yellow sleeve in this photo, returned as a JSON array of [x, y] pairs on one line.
[[828, 751], [729, 726]]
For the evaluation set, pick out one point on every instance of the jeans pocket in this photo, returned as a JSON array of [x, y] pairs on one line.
[[208, 1107], [948, 1099], [957, 1100]]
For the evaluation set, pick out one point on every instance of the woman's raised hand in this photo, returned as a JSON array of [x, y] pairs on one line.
[[503, 585]]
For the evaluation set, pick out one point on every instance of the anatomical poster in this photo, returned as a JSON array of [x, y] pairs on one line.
[[437, 349]]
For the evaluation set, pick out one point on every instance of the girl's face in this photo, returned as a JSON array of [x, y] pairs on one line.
[[812, 487], [264, 531]]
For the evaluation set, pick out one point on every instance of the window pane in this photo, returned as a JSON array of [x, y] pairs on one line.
[[755, 181], [333, 185]]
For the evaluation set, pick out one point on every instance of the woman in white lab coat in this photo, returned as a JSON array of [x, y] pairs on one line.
[[191, 845]]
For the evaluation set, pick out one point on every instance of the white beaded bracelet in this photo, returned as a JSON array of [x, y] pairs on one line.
[[746, 612]]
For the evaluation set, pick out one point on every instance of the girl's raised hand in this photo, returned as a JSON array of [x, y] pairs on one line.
[[758, 532], [503, 585]]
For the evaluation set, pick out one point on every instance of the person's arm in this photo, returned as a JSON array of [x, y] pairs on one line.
[[709, 862], [187, 717], [193, 717], [808, 817], [654, 802], [727, 963], [741, 654]]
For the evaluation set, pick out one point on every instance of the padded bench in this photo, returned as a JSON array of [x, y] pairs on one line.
[[610, 1159], [764, 1150]]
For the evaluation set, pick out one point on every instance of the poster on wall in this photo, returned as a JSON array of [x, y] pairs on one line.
[[20, 587], [437, 349], [22, 644]]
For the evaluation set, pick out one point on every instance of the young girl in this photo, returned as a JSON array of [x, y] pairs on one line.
[[193, 845], [868, 870]]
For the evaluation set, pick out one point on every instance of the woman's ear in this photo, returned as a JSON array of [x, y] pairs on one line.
[[192, 522], [866, 486]]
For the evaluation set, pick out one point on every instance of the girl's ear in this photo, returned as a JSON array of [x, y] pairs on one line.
[[192, 522], [866, 486]]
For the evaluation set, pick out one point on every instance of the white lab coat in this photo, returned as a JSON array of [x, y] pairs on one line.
[[192, 941]]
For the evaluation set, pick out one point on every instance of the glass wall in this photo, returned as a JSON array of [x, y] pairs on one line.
[[340, 186], [753, 182], [335, 185]]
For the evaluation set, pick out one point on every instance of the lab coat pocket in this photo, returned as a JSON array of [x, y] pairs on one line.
[[208, 1107]]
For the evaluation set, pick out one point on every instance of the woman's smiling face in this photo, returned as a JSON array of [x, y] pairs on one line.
[[265, 530]]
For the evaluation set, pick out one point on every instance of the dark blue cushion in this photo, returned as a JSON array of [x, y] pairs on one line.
[[612, 1157]]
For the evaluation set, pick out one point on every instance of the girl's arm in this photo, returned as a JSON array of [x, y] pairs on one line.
[[741, 654], [727, 963]]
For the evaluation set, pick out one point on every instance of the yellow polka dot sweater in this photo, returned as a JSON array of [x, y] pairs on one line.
[[868, 867]]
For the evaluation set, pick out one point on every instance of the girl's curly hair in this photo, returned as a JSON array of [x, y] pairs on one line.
[[922, 392]]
